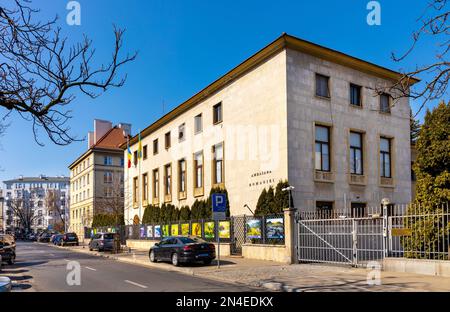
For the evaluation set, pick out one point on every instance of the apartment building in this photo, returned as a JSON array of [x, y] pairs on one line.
[[96, 176], [32, 193], [294, 110]]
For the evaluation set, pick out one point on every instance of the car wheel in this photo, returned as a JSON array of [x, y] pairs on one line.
[[152, 256], [175, 261], [207, 262]]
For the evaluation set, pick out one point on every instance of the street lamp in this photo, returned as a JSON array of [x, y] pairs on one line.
[[289, 189]]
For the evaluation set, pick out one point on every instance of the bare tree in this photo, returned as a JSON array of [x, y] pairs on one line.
[[55, 209], [24, 212], [434, 23], [40, 71]]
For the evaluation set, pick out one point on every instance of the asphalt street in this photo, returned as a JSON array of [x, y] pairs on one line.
[[40, 267]]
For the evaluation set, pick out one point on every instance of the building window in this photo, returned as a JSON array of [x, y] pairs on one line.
[[107, 177], [167, 179], [218, 163], [155, 146], [167, 140], [198, 123], [182, 176], [322, 85], [107, 160], [355, 95], [181, 132], [217, 113], [385, 103], [155, 183], [385, 157], [145, 187], [135, 190], [356, 153], [322, 148], [144, 152], [198, 165]]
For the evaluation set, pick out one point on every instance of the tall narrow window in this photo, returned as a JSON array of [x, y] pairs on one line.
[[167, 179], [218, 163], [181, 132], [167, 141], [182, 176], [135, 190], [385, 158], [155, 183], [385, 103], [322, 85], [198, 123], [155, 146], [217, 113], [198, 165], [355, 95], [356, 153], [145, 187], [322, 148]]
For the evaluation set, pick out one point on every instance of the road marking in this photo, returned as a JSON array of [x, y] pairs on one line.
[[89, 268], [135, 284]]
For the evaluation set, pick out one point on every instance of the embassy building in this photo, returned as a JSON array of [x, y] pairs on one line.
[[293, 111]]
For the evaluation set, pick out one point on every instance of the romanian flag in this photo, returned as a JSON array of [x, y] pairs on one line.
[[129, 153], [139, 147]]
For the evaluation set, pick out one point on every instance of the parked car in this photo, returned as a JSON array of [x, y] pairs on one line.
[[44, 237], [56, 239], [7, 249], [102, 242], [183, 249], [68, 239]]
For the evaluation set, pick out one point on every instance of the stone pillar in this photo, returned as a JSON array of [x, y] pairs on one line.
[[290, 235]]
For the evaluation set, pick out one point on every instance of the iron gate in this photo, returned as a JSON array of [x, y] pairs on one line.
[[237, 234], [351, 241]]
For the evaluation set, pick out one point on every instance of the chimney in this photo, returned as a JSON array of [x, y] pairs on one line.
[[90, 139], [100, 128], [126, 127]]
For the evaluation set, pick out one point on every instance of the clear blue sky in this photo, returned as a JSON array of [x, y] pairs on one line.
[[184, 45]]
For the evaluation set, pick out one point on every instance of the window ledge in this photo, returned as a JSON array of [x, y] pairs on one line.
[[323, 176]]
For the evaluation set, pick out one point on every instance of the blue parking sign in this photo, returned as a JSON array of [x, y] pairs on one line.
[[219, 202]]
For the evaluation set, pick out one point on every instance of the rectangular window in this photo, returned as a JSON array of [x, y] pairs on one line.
[[155, 146], [322, 148], [198, 165], [145, 187], [144, 152], [385, 158], [107, 177], [107, 160], [198, 123], [356, 153], [355, 95], [167, 179], [322, 85], [155, 183], [182, 176], [167, 141], [218, 163], [217, 113], [385, 103], [135, 190], [181, 132]]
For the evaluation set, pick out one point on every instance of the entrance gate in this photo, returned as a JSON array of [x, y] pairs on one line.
[[352, 241]]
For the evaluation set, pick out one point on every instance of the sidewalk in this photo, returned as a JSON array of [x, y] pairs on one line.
[[291, 278]]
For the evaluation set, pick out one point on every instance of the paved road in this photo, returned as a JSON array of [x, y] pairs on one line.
[[44, 268]]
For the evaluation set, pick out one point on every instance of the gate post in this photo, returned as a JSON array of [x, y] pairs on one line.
[[289, 235]]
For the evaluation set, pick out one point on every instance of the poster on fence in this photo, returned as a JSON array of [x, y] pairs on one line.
[[157, 231], [142, 232], [165, 230], [196, 229], [185, 229], [149, 231], [174, 230], [254, 228], [224, 229], [209, 229], [275, 228]]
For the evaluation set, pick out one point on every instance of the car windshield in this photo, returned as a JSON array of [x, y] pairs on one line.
[[189, 240], [108, 236]]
